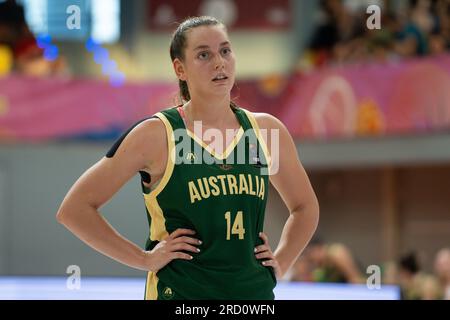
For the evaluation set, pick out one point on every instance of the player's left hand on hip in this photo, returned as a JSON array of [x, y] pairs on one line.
[[265, 252]]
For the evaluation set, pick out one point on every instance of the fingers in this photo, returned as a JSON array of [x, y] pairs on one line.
[[262, 248], [269, 263], [184, 246], [272, 262], [180, 232], [187, 240], [265, 255], [265, 246], [263, 236], [180, 255], [179, 241], [265, 252]]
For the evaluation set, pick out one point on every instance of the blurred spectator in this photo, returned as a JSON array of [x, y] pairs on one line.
[[326, 263], [414, 38], [414, 284], [15, 35], [408, 268], [12, 22], [335, 26], [442, 269], [440, 36]]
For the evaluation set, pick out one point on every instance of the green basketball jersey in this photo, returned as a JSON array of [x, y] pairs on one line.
[[223, 198]]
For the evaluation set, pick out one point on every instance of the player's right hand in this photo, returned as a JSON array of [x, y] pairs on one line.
[[170, 248]]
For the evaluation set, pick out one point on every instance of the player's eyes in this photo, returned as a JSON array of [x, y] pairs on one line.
[[203, 55], [226, 51]]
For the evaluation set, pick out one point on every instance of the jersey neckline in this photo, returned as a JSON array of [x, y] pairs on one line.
[[220, 156]]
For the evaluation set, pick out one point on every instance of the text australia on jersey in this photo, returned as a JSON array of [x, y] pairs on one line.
[[229, 184]]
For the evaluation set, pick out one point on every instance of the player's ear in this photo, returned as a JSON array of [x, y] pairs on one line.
[[179, 69]]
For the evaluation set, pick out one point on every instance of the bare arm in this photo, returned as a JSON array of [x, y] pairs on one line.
[[145, 147], [292, 183]]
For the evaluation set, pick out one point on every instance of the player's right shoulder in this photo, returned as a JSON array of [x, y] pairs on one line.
[[148, 135], [153, 128], [149, 131]]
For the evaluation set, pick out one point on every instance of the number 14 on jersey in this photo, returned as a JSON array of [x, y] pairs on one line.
[[238, 225]]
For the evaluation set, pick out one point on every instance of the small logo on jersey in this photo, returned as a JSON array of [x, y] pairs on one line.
[[190, 156], [255, 160], [225, 166], [168, 293]]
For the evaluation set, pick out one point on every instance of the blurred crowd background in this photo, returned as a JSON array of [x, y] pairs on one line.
[[335, 263], [415, 28], [410, 28], [384, 196]]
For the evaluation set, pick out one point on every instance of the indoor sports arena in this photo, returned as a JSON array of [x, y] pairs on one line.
[[224, 150]]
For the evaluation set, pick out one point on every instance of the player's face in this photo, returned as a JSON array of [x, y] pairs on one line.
[[208, 56]]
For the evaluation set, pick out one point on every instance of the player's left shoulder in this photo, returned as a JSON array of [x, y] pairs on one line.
[[267, 121]]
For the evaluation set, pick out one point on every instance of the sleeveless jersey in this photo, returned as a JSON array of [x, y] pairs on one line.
[[223, 198]]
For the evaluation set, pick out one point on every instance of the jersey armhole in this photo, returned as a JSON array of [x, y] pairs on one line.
[[159, 186], [260, 138]]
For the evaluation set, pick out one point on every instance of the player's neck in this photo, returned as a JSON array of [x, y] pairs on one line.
[[215, 113]]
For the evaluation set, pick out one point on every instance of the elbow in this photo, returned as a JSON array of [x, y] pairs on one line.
[[313, 214], [67, 210], [317, 208], [316, 211], [310, 211], [60, 217], [70, 214], [63, 214]]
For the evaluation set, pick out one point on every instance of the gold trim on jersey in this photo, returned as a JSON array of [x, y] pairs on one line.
[[224, 155], [158, 224], [261, 140], [151, 287]]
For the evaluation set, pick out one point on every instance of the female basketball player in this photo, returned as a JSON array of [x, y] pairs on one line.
[[205, 209]]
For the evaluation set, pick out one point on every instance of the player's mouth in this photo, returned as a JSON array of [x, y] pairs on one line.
[[220, 78]]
